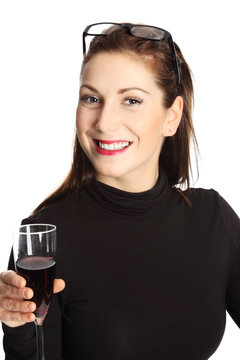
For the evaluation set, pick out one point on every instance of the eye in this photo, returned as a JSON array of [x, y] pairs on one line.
[[89, 99], [92, 99], [133, 101]]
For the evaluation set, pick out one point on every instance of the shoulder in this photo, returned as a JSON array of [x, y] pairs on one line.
[[209, 203], [198, 198], [57, 211], [201, 196], [211, 197]]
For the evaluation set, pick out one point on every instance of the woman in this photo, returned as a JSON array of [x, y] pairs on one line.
[[149, 269]]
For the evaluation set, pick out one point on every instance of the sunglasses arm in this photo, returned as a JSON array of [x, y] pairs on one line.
[[171, 44]]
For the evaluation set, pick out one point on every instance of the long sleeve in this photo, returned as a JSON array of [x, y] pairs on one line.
[[232, 224], [233, 291]]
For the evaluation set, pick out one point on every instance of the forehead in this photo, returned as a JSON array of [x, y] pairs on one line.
[[118, 68]]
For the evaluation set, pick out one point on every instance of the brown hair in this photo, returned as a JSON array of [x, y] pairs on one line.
[[175, 152]]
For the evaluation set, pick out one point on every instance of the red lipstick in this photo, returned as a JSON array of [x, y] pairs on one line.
[[110, 152]]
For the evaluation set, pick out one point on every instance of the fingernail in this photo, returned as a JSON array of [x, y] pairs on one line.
[[27, 294], [31, 307], [20, 283], [31, 317]]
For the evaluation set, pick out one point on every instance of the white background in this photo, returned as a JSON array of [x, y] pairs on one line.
[[41, 53]]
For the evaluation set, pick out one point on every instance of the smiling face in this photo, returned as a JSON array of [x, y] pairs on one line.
[[121, 122]]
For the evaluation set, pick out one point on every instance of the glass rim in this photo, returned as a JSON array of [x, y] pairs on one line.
[[53, 227]]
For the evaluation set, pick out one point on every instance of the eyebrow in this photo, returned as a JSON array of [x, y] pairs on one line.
[[121, 91]]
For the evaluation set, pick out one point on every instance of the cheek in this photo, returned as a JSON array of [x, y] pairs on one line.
[[156, 123], [81, 131], [78, 118], [151, 139], [79, 126], [83, 121], [148, 128]]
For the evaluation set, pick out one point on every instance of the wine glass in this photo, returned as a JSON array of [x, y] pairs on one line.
[[34, 251]]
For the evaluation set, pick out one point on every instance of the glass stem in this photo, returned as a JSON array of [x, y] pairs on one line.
[[40, 342]]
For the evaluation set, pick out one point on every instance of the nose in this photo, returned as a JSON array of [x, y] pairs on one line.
[[107, 118]]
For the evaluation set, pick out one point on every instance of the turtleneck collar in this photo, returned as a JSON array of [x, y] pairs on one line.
[[128, 204]]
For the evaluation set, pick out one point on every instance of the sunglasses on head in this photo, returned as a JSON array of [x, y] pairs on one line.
[[147, 32]]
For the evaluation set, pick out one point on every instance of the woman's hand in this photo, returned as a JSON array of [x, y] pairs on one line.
[[14, 309]]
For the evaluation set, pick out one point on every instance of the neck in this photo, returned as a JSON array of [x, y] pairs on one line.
[[132, 184]]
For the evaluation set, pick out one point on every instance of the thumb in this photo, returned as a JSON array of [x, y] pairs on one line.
[[58, 285]]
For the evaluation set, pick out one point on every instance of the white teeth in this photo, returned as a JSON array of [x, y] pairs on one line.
[[113, 146]]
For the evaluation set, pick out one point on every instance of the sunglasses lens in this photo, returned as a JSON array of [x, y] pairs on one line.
[[148, 32], [104, 28], [98, 29]]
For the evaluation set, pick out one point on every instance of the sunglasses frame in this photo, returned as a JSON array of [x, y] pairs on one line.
[[167, 36]]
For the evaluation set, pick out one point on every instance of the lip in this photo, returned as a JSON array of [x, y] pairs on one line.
[[110, 152], [111, 141]]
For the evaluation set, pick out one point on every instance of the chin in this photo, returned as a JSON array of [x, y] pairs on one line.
[[109, 173]]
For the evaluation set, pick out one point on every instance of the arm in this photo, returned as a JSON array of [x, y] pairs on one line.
[[232, 225], [233, 291]]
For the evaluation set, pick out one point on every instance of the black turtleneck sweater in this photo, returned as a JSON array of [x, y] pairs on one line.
[[148, 277]]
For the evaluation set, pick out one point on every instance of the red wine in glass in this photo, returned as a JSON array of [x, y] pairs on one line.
[[39, 273]]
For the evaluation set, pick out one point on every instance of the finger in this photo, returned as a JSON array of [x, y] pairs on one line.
[[14, 316], [12, 278], [58, 285], [15, 304], [12, 291]]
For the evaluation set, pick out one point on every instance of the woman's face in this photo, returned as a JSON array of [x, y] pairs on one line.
[[121, 122]]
